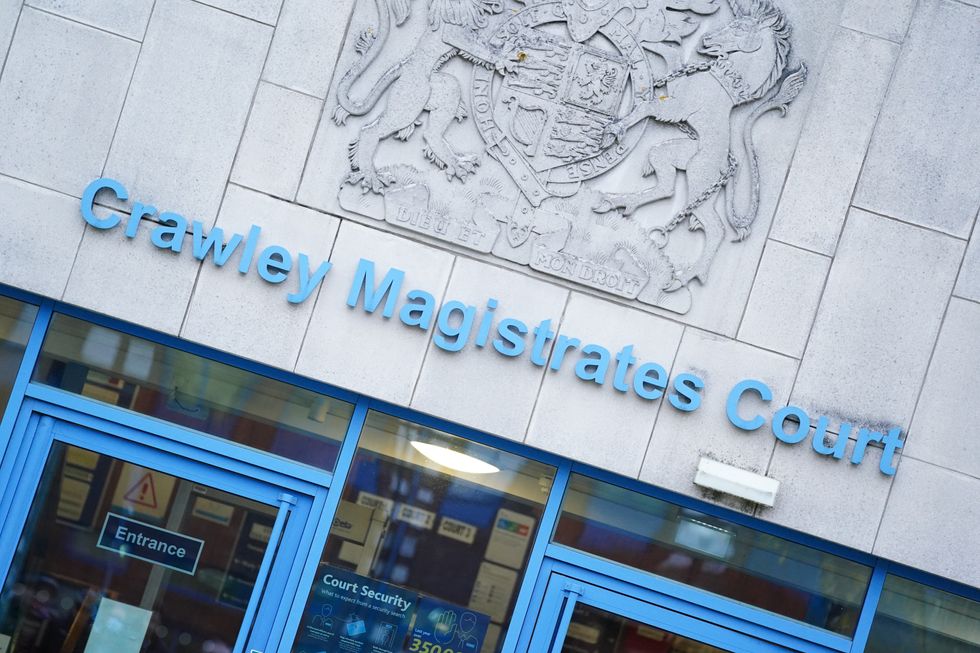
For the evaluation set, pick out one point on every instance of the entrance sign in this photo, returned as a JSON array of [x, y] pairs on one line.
[[135, 539], [351, 613]]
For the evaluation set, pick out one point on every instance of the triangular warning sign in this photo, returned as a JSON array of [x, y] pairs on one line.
[[143, 492]]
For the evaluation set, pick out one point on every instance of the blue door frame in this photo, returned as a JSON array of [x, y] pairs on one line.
[[568, 577], [564, 593], [44, 424]]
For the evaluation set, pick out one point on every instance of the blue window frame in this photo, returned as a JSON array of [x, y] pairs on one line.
[[612, 587], [49, 430]]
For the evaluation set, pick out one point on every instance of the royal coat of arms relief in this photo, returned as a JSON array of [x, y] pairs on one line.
[[605, 142]]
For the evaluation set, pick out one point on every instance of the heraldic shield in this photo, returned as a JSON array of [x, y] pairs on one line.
[[528, 108]]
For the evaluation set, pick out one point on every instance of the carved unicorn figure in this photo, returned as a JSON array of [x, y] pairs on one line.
[[748, 60]]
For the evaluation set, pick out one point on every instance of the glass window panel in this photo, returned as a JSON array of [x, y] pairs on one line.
[[193, 391], [592, 630], [713, 554], [431, 520], [65, 593], [916, 617], [16, 321]]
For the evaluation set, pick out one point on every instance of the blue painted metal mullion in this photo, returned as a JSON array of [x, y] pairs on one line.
[[13, 464], [287, 626], [31, 352], [870, 607], [248, 630], [299, 542], [546, 629], [564, 619], [23, 492], [535, 608], [549, 519]]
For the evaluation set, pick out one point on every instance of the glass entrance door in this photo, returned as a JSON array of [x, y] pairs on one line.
[[579, 617], [120, 548]]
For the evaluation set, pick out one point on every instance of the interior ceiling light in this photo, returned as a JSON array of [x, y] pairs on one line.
[[456, 460]]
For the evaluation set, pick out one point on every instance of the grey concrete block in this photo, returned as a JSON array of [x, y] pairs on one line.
[[888, 19], [949, 407], [264, 11], [924, 158], [9, 13], [815, 488], [784, 299], [60, 97], [480, 387], [127, 18], [40, 235], [363, 351], [304, 50], [132, 280], [597, 424], [187, 106], [680, 439], [834, 141], [243, 314], [968, 283], [277, 138], [932, 521], [877, 323]]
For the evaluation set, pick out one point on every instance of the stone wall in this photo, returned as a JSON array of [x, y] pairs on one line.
[[856, 296]]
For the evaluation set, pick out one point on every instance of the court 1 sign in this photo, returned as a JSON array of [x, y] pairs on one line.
[[136, 539]]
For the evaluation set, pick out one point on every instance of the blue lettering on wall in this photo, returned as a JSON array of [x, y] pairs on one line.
[[457, 324], [274, 263]]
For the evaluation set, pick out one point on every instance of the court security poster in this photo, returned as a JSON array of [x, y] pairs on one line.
[[349, 613]]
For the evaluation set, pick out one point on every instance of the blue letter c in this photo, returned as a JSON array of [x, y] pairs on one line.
[[88, 200], [736, 394]]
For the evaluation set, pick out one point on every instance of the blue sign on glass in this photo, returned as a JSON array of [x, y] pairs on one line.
[[441, 626], [137, 539], [355, 614]]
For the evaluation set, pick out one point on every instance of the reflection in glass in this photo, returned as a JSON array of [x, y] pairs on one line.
[[915, 617], [66, 594], [16, 320], [713, 554], [440, 521], [193, 391], [592, 630]]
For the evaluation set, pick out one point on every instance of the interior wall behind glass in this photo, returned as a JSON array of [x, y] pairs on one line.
[[441, 522]]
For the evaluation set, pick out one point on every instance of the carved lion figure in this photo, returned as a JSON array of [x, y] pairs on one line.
[[414, 85]]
